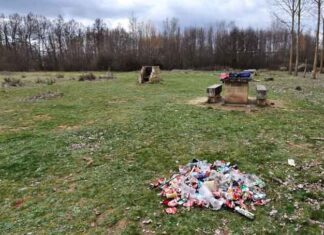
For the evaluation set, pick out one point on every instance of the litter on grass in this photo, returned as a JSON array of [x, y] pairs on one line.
[[291, 162], [217, 185]]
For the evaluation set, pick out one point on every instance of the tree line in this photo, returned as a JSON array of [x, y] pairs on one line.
[[290, 11], [32, 42]]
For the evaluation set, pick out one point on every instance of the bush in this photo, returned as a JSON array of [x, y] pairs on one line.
[[87, 77], [60, 75], [50, 81], [39, 81], [12, 82]]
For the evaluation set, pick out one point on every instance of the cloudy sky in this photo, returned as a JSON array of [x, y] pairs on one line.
[[245, 13]]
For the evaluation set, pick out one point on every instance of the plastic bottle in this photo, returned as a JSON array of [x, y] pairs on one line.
[[253, 180], [244, 212], [186, 191], [203, 165], [209, 197], [259, 196], [235, 175]]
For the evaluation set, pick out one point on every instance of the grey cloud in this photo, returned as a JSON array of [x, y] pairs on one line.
[[189, 12]]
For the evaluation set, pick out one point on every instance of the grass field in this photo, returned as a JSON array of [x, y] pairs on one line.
[[136, 133]]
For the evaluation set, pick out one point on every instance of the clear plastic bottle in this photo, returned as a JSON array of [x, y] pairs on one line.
[[209, 197], [187, 191]]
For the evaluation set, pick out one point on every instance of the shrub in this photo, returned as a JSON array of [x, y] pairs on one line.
[[12, 82], [87, 77], [60, 75], [50, 81], [39, 81]]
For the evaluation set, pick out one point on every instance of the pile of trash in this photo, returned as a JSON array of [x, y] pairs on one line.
[[244, 76], [217, 185]]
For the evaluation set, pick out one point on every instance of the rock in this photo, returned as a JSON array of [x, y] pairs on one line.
[[273, 212], [147, 221]]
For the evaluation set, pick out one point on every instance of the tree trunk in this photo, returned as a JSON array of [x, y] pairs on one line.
[[292, 34], [298, 38], [314, 73], [305, 70], [322, 51]]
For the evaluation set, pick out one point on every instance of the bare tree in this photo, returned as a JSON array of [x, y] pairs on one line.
[[322, 51], [34, 42], [318, 4], [286, 12], [300, 5]]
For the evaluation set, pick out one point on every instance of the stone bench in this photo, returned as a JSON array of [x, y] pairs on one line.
[[214, 93], [261, 92]]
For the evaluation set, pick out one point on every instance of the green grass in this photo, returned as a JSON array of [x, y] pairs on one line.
[[136, 133]]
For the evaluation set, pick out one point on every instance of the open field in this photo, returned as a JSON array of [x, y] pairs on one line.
[[136, 133]]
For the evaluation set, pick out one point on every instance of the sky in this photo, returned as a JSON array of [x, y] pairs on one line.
[[245, 13]]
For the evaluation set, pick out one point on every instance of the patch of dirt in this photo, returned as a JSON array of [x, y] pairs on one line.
[[42, 117], [292, 184], [144, 226], [88, 160], [312, 164], [101, 217], [118, 228], [46, 96], [276, 104], [71, 188], [117, 101], [8, 111], [90, 122], [19, 202], [251, 107], [68, 128], [300, 146], [4, 129]]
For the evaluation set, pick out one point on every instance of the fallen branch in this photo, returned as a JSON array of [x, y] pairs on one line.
[[277, 180], [315, 222], [318, 138], [88, 160]]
